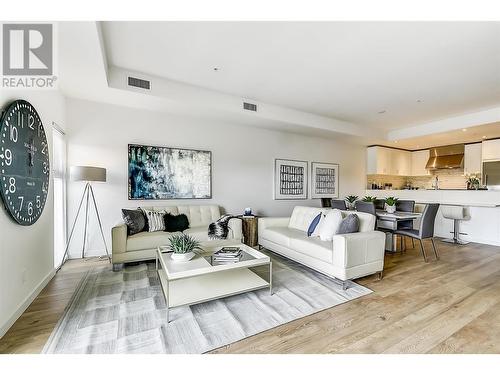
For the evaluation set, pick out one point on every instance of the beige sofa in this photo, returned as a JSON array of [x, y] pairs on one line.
[[142, 246], [346, 257]]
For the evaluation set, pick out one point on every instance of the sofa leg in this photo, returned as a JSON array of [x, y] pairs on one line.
[[345, 284], [117, 267], [380, 275], [260, 246]]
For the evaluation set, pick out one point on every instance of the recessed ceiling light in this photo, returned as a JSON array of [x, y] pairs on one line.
[[395, 141], [216, 69], [484, 137], [380, 112], [464, 129]]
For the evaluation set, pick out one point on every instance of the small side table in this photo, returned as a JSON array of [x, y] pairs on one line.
[[250, 234]]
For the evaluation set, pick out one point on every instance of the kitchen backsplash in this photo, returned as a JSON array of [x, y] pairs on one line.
[[448, 179]]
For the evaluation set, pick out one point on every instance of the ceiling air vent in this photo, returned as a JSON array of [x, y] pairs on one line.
[[250, 106], [140, 83]]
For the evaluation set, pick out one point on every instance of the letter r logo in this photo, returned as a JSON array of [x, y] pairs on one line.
[[27, 49]]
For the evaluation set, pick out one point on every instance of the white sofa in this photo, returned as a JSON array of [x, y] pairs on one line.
[[143, 245], [347, 257]]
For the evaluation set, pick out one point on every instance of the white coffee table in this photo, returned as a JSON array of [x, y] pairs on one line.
[[198, 280]]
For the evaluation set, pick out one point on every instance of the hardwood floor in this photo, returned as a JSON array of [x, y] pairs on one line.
[[448, 306]]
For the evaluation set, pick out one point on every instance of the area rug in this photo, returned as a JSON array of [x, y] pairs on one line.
[[124, 312]]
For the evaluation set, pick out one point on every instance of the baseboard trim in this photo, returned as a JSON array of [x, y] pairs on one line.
[[25, 304]]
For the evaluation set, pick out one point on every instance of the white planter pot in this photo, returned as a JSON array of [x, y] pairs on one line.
[[182, 257], [390, 209]]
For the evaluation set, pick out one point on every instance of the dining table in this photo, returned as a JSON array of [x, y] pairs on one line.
[[388, 222]]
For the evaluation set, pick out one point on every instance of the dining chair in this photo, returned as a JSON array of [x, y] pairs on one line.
[[368, 207], [426, 229], [326, 202], [339, 203], [405, 206], [379, 204]]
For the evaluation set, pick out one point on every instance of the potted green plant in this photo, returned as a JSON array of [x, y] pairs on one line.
[[184, 247], [390, 204], [369, 199], [473, 182], [351, 200]]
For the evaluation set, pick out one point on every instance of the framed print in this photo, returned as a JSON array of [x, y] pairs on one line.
[[156, 172], [324, 180], [290, 179]]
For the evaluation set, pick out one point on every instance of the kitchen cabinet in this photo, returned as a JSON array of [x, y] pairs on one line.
[[472, 158], [491, 150], [388, 161], [419, 160], [401, 163]]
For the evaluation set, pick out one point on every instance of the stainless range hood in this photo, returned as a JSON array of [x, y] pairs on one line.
[[446, 157]]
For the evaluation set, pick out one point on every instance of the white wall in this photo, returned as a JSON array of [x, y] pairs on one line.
[[26, 253], [242, 160]]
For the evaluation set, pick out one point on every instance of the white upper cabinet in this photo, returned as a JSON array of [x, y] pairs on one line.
[[401, 163], [472, 158], [418, 162], [491, 150], [382, 160]]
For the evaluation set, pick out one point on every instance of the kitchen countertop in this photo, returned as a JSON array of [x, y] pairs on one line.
[[452, 197]]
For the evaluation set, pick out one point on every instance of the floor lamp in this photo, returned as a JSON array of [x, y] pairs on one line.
[[89, 175]]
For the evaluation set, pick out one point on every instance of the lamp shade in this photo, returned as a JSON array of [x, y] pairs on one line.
[[85, 173]]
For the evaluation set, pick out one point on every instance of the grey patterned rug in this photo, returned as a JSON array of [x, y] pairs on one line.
[[124, 312]]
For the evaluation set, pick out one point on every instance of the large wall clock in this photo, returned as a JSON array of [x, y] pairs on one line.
[[24, 162]]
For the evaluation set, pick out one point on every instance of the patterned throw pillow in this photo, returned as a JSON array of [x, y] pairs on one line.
[[313, 225], [135, 220], [156, 221]]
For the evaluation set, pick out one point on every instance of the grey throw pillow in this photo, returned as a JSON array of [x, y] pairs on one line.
[[349, 224], [135, 220]]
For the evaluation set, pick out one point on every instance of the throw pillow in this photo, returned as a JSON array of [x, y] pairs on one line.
[[350, 224], [329, 225], [156, 222], [135, 220], [176, 223], [313, 225]]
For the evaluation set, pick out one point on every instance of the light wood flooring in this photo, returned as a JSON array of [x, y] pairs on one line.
[[448, 306]]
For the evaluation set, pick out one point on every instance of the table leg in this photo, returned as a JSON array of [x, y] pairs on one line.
[[271, 278], [167, 301], [394, 243]]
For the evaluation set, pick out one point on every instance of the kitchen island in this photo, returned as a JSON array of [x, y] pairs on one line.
[[483, 207]]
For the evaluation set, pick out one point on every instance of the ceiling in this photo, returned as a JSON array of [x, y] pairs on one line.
[[470, 135], [412, 72]]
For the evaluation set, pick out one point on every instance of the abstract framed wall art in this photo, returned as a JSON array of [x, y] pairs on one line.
[[324, 180], [290, 179], [156, 172]]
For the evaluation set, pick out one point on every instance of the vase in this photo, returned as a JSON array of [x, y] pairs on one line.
[[176, 257], [390, 209]]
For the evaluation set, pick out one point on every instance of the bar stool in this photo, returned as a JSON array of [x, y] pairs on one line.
[[456, 213]]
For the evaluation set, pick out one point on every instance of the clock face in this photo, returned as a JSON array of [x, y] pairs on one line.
[[24, 162]]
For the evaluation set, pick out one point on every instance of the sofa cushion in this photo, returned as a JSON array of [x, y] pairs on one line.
[[302, 217], [329, 225], [176, 223], [349, 224], [135, 220], [156, 221], [366, 221], [281, 235], [148, 240], [314, 224], [200, 233], [313, 247], [200, 215]]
